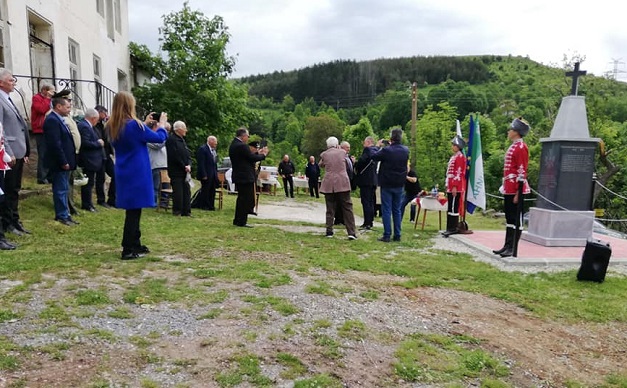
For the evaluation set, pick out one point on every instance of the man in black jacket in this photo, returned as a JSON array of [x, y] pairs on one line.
[[286, 170], [179, 167], [90, 156], [366, 180], [312, 172], [243, 175], [207, 174]]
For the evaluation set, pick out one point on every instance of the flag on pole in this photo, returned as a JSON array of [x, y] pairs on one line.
[[476, 184]]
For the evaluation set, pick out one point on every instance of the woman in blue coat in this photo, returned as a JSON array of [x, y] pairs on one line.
[[133, 176]]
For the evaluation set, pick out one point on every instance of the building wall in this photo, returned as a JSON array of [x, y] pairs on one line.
[[56, 22]]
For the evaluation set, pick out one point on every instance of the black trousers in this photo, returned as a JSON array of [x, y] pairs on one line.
[[453, 204], [313, 188], [206, 198], [100, 181], [511, 210], [181, 196], [12, 187], [367, 196], [2, 200], [245, 202], [131, 239], [109, 169], [288, 180], [87, 190]]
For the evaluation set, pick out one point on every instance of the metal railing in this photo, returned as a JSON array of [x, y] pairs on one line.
[[99, 93]]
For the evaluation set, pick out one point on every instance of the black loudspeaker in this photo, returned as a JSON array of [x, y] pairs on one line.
[[594, 261]]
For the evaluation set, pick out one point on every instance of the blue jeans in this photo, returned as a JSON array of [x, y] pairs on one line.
[[60, 190], [391, 204]]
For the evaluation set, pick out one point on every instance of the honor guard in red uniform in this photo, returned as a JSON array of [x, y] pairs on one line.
[[514, 171], [455, 184]]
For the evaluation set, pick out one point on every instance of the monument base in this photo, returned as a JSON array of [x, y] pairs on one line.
[[559, 228]]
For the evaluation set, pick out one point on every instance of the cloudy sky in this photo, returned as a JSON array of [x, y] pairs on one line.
[[268, 35]]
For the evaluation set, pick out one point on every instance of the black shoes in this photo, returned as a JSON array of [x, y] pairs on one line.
[[384, 239], [352, 237], [15, 231], [67, 221], [6, 246], [142, 249], [90, 209], [20, 227], [397, 239], [329, 234], [243, 226], [365, 227], [104, 205], [130, 255]]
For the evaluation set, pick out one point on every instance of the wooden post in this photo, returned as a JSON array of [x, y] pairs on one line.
[[414, 109]]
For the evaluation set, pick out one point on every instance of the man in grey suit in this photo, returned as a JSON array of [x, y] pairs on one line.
[[18, 148]]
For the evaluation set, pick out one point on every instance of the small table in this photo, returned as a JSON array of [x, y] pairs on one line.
[[301, 183], [429, 203]]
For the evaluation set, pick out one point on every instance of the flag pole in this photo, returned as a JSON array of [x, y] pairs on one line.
[[463, 225]]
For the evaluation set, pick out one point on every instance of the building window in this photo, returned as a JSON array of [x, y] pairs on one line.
[[1, 37], [75, 66], [100, 7], [118, 16], [1, 45], [97, 67], [110, 21]]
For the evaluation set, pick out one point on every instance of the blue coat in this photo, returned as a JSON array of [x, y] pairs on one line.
[[133, 176], [59, 143], [91, 154], [393, 167], [207, 167]]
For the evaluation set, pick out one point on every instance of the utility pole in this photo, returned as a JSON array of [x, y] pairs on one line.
[[414, 109], [615, 70]]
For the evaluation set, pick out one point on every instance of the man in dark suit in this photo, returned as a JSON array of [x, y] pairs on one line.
[[109, 166], [179, 166], [90, 157], [61, 157], [243, 161], [17, 146], [207, 174], [366, 179], [312, 172]]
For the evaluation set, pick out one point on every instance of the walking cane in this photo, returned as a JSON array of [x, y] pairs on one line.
[[519, 214]]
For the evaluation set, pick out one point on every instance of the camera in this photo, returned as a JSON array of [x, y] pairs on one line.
[[155, 116], [385, 142]]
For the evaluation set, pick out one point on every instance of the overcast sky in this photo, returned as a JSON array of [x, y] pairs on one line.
[[268, 35]]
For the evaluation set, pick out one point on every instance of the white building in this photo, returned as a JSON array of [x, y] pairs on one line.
[[76, 44]]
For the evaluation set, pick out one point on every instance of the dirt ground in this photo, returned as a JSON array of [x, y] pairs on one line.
[[191, 352]]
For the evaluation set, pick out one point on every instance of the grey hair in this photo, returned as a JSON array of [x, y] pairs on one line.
[[332, 142], [344, 144], [211, 138], [5, 72], [178, 125], [91, 113], [45, 85]]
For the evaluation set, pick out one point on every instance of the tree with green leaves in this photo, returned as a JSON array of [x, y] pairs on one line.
[[317, 130], [192, 83]]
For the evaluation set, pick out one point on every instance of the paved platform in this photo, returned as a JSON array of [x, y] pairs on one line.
[[529, 253]]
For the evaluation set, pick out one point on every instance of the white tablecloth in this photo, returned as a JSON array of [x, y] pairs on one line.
[[431, 203], [301, 182]]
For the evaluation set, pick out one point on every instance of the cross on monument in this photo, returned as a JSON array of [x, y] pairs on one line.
[[576, 73]]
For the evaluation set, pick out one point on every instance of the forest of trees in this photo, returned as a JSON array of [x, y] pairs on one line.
[[296, 111]]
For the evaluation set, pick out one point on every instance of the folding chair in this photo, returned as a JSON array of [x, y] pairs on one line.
[[220, 189], [165, 191]]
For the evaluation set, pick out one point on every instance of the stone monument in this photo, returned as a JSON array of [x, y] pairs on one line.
[[563, 214]]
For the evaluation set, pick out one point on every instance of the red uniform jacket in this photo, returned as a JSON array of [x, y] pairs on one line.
[[456, 173], [516, 161]]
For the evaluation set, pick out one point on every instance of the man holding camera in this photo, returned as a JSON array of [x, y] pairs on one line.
[[392, 176]]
